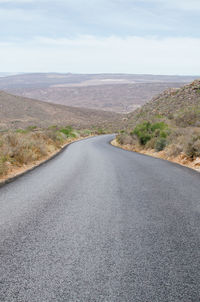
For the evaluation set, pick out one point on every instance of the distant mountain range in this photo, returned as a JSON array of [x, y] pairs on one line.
[[7, 74], [121, 93]]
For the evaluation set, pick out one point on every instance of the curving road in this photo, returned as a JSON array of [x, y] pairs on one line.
[[98, 223]]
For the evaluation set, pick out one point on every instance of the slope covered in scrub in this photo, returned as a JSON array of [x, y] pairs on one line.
[[180, 107], [169, 124]]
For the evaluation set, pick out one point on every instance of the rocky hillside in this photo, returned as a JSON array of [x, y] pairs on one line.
[[19, 112], [168, 126], [180, 107]]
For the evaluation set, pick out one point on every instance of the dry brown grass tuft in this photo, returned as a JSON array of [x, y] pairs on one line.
[[180, 142], [24, 147], [126, 139]]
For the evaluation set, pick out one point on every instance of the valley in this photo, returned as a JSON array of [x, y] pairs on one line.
[[120, 93]]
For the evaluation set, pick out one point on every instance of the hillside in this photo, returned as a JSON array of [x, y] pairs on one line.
[[19, 112], [180, 107], [168, 126], [110, 92]]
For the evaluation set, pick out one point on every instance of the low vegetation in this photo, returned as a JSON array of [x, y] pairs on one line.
[[169, 123], [155, 133], [22, 147]]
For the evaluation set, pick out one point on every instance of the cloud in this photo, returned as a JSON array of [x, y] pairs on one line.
[[18, 15], [186, 5], [16, 1], [89, 54], [163, 18], [136, 36], [80, 4]]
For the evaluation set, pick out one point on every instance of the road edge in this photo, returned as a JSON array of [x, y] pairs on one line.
[[20, 174], [114, 144]]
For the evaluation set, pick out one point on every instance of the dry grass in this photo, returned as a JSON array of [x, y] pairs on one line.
[[180, 141], [183, 147], [18, 149], [176, 115], [24, 147]]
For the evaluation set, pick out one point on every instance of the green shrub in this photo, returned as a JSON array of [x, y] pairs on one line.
[[56, 136], [121, 131], [143, 132], [31, 128], [100, 131], [158, 116], [160, 144], [68, 131], [21, 131], [86, 132], [158, 126], [146, 131], [55, 127]]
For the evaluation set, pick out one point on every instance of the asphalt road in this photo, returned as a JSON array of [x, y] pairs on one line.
[[98, 223]]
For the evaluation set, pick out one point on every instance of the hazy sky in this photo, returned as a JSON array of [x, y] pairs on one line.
[[93, 36]]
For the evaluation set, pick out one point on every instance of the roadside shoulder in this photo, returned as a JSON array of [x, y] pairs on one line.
[[20, 171], [181, 160]]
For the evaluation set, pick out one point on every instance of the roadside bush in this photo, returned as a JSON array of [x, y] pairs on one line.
[[85, 132], [21, 131], [161, 126], [143, 132], [100, 131], [174, 150], [21, 147], [27, 148], [192, 147], [184, 140], [68, 131], [160, 144], [146, 131], [126, 139], [11, 139], [56, 136], [31, 128], [151, 144]]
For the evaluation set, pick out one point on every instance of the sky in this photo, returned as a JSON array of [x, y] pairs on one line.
[[100, 36]]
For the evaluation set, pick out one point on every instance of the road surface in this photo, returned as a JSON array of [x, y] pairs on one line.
[[98, 223]]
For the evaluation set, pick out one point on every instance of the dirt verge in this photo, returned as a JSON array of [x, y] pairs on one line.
[[19, 171], [182, 159]]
